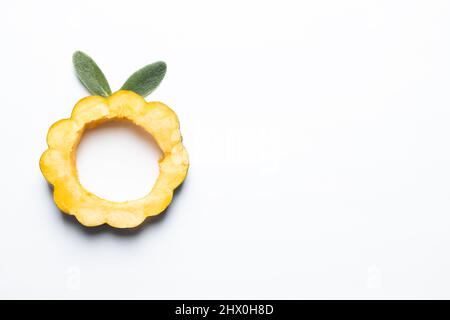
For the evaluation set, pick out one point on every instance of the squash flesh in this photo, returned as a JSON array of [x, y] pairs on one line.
[[58, 162]]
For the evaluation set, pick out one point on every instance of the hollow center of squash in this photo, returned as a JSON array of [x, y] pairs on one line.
[[118, 161]]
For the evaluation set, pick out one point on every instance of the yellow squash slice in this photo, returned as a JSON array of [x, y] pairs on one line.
[[58, 162]]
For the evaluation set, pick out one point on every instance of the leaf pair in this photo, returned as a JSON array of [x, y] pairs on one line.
[[143, 82]]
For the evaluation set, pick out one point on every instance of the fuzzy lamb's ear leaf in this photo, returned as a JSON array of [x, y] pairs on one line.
[[147, 79], [90, 75]]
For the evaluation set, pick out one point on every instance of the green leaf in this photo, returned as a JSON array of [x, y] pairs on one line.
[[147, 79], [90, 75]]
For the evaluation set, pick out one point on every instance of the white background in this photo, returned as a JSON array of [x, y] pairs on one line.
[[318, 134]]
